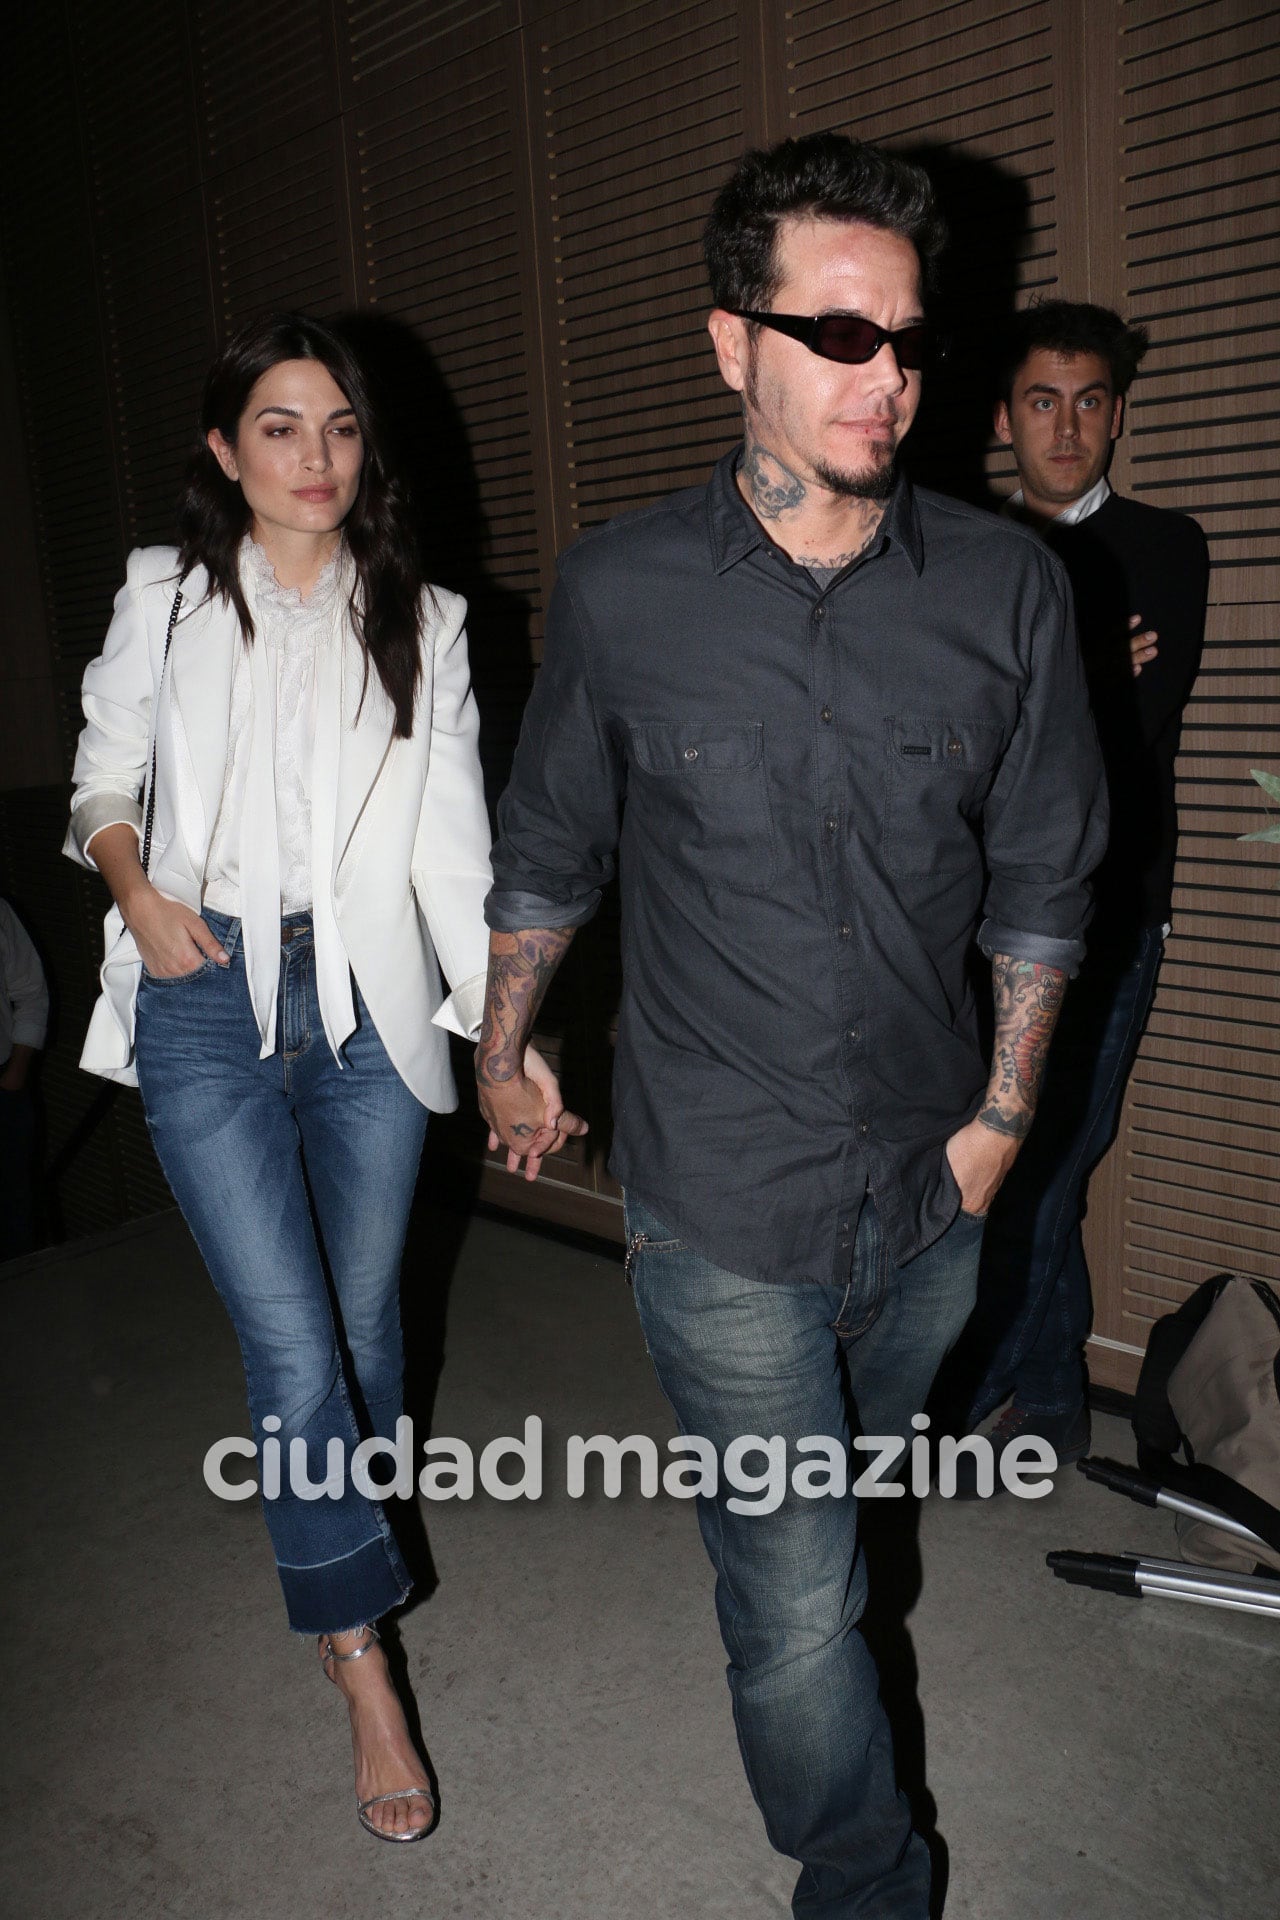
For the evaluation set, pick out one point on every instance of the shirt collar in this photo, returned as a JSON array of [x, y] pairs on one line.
[[1070, 516], [735, 532]]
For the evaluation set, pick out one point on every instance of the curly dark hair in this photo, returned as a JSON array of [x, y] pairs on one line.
[[1071, 326], [824, 175], [213, 515]]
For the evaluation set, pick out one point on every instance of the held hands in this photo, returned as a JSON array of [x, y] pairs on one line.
[[171, 938], [1142, 643], [980, 1158], [527, 1115]]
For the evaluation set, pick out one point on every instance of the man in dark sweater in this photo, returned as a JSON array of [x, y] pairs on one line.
[[1139, 577]]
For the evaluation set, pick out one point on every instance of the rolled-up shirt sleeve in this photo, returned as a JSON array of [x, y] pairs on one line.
[[113, 749], [558, 819], [1045, 819]]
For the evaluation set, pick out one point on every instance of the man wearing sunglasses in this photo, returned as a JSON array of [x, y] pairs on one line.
[[836, 729]]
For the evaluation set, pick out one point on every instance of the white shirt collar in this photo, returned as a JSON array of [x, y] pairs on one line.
[[1078, 510]]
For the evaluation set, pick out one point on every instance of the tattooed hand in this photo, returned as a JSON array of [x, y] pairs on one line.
[[980, 1159], [1028, 999], [519, 1095]]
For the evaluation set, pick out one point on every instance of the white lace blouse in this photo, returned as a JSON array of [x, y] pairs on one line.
[[292, 630]]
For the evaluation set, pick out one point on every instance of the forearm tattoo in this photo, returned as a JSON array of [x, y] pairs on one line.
[[520, 970], [1028, 1001]]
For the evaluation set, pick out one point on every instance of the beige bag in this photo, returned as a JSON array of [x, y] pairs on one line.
[[1210, 1389]]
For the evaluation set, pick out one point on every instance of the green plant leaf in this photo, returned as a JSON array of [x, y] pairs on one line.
[[1266, 833], [1269, 782]]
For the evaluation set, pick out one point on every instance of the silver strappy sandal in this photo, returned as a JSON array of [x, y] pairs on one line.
[[328, 1653]]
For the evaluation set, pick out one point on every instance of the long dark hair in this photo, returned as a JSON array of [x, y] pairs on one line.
[[214, 516]]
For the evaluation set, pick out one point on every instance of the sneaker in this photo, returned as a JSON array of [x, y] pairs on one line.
[[1068, 1435]]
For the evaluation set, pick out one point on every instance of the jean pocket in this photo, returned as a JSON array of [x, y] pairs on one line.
[[643, 1234], [176, 979]]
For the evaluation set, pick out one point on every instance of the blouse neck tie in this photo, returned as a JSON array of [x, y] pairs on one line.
[[259, 835], [333, 969]]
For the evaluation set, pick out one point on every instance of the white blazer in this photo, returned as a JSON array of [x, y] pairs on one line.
[[411, 843]]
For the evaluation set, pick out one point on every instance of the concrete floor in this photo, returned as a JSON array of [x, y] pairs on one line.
[[173, 1751]]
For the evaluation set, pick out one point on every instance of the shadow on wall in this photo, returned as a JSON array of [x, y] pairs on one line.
[[430, 449], [990, 217]]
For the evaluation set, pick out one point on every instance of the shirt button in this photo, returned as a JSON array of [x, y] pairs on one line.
[[691, 753], [831, 823], [827, 715], [844, 930], [954, 746], [855, 1034], [819, 613], [864, 1128]]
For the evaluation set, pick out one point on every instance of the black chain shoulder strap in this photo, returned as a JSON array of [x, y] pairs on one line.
[[155, 729]]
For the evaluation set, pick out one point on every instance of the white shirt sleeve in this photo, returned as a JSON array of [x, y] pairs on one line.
[[25, 1009]]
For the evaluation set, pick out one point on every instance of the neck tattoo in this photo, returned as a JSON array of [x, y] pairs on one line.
[[770, 486], [772, 490]]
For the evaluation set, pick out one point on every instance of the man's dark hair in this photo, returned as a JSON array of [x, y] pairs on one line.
[[824, 176], [1072, 326]]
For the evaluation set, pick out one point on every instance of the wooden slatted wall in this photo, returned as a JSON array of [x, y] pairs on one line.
[[182, 166], [511, 191], [972, 90], [636, 114], [1191, 1186], [638, 117]]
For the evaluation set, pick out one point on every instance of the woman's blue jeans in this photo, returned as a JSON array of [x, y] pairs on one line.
[[1028, 1332], [295, 1178], [736, 1357]]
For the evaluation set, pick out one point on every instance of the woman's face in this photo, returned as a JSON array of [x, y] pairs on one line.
[[297, 452]]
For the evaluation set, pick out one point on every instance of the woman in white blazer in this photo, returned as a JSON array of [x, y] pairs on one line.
[[317, 852]]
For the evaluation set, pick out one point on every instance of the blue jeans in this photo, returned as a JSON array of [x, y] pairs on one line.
[[737, 1356], [1028, 1333], [282, 1167]]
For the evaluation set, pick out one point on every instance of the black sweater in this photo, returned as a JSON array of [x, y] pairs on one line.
[[1129, 558]]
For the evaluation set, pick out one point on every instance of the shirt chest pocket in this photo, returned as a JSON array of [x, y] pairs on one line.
[[702, 796], [938, 775]]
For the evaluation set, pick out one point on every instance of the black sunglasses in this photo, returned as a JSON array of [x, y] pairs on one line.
[[852, 341]]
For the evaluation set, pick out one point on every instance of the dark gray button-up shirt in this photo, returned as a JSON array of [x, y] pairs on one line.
[[819, 794]]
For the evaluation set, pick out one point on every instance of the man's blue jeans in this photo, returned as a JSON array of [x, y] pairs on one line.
[[1028, 1332], [272, 1161], [736, 1357]]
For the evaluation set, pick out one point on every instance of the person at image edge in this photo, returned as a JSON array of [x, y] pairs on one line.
[[1140, 579]]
